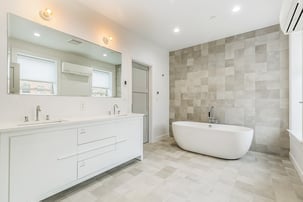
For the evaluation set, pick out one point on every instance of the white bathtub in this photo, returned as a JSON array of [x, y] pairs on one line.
[[222, 141]]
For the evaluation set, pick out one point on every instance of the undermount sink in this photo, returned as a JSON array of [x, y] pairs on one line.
[[41, 122]]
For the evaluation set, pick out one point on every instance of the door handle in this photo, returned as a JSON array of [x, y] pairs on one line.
[[301, 102], [82, 132]]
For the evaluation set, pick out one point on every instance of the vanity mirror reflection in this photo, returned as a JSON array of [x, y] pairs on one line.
[[45, 61]]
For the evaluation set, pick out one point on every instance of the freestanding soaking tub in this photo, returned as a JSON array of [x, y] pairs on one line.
[[222, 141]]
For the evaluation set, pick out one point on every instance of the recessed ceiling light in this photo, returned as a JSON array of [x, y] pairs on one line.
[[236, 9], [36, 34], [176, 30], [104, 54]]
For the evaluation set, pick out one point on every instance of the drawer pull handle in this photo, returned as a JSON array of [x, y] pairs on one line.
[[82, 164], [82, 131], [96, 148], [122, 140], [67, 156], [86, 151], [106, 138]]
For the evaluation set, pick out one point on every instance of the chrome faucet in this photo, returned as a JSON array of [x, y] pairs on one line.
[[211, 115], [38, 109], [116, 109]]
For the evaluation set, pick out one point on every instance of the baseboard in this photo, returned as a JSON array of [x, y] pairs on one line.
[[296, 165], [159, 138]]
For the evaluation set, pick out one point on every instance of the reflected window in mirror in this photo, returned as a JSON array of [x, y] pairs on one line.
[[38, 76], [101, 83]]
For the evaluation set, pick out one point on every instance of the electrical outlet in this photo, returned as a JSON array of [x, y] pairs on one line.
[[82, 107]]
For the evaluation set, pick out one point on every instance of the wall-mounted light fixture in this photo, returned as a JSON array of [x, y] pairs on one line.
[[46, 14], [106, 39]]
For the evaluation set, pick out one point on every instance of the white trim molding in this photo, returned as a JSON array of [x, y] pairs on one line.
[[296, 154], [159, 138], [296, 165]]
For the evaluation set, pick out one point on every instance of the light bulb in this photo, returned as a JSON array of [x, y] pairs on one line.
[[46, 14]]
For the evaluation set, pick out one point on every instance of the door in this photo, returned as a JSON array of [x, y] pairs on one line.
[[140, 96]]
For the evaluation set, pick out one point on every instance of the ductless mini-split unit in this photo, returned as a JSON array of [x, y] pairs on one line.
[[76, 69], [291, 16]]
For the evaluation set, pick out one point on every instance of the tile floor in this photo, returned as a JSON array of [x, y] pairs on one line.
[[172, 175]]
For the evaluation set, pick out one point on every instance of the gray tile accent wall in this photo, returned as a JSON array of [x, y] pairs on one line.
[[245, 77]]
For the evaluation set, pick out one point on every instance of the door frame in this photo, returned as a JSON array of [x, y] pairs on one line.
[[150, 104]]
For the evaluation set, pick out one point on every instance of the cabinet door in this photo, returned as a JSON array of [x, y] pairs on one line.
[[129, 138], [41, 163]]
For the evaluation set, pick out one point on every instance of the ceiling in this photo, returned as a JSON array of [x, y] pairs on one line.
[[156, 19]]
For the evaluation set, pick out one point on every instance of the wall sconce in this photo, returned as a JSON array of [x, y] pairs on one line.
[[106, 40], [46, 14]]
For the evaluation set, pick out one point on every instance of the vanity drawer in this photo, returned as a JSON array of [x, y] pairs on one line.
[[95, 156], [97, 163], [96, 148], [95, 133]]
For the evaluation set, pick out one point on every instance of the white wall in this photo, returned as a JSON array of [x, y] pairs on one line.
[[295, 95], [75, 19], [295, 83]]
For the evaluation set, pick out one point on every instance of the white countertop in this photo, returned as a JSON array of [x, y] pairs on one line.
[[32, 125]]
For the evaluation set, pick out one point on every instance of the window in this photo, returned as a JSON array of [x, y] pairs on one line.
[[38, 76], [101, 83]]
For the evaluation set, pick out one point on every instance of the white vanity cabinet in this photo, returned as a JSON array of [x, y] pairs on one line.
[[37, 162]]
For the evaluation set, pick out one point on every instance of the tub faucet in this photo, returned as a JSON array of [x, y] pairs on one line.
[[38, 109], [211, 115]]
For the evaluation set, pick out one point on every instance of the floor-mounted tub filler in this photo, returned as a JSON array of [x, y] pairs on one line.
[[222, 141]]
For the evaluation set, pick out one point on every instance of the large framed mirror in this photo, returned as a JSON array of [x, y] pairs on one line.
[[45, 61]]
